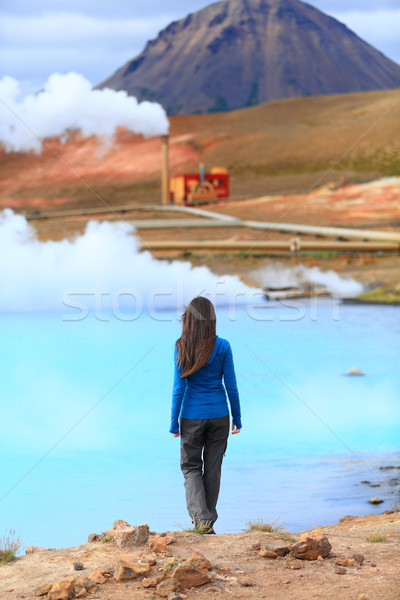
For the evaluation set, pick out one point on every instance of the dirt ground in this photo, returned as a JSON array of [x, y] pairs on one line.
[[237, 569]]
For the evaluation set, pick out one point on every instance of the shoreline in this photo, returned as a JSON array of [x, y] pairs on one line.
[[359, 555]]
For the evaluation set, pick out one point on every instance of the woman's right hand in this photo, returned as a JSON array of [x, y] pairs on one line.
[[176, 434], [235, 429]]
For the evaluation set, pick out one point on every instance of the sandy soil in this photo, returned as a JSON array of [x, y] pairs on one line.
[[237, 569]]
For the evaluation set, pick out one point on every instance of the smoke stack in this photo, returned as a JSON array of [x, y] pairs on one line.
[[164, 170]]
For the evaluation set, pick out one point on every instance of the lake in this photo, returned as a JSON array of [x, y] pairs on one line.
[[85, 419]]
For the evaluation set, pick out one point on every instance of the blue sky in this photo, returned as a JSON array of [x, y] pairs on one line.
[[95, 37]]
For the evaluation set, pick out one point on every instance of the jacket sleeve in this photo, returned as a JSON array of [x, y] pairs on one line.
[[231, 387], [178, 393]]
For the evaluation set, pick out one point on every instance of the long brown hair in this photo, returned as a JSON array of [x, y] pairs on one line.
[[197, 341]]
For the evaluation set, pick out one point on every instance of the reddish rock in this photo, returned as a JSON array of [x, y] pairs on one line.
[[97, 576], [43, 589], [80, 590], [127, 571], [151, 582], [363, 597], [62, 590], [199, 561], [158, 544], [125, 535], [170, 564], [310, 547], [190, 576], [278, 547], [340, 570], [88, 584], [168, 586]]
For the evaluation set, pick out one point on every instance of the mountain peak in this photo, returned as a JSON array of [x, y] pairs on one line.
[[238, 53]]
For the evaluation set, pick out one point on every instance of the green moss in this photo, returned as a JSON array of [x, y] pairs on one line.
[[381, 295]]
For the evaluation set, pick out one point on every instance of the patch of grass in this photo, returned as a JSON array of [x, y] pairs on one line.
[[376, 538], [191, 529], [260, 525], [9, 546]]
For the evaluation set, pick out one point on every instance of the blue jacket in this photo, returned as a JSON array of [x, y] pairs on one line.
[[202, 395]]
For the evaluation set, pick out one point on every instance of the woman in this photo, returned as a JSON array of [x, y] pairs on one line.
[[202, 361]]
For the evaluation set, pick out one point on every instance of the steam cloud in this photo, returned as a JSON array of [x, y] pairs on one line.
[[68, 102], [99, 270], [281, 276]]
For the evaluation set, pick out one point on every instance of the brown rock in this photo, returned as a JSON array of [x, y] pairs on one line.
[[125, 535], [33, 549], [363, 597], [170, 539], [43, 589], [80, 590], [345, 562], [200, 561], [94, 537], [151, 582], [359, 558], [158, 544], [168, 586], [375, 500], [127, 571], [278, 547], [88, 584], [98, 576], [340, 570], [189, 576], [295, 565], [268, 554], [310, 547], [62, 590], [175, 596]]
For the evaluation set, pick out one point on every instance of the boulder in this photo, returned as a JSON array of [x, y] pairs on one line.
[[62, 590], [375, 500], [151, 582], [309, 547], [267, 553], [94, 537], [88, 584], [80, 590], [158, 544], [125, 535], [190, 576], [354, 371], [127, 571], [168, 586], [78, 566], [199, 561]]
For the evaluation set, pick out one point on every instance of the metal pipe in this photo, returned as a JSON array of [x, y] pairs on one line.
[[164, 170]]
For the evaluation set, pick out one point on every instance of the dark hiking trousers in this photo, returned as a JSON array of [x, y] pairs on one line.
[[203, 445]]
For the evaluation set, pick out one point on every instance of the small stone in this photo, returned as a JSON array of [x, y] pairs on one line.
[[276, 546], [340, 570], [359, 558], [126, 572], [363, 597], [93, 537], [80, 590], [158, 544], [151, 582], [346, 562], [365, 481], [170, 564], [175, 596], [354, 371], [10, 589], [62, 590], [200, 561], [98, 576], [319, 557], [310, 547], [244, 583], [388, 512], [190, 576], [375, 500], [295, 565], [42, 590], [170, 539], [268, 554], [78, 566], [168, 586]]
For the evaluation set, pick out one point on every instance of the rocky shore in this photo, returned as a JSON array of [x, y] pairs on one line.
[[355, 559]]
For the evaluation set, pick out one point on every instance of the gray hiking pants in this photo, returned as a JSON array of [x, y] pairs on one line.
[[203, 445]]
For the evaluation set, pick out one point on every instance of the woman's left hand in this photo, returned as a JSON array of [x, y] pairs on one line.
[[176, 434], [235, 429]]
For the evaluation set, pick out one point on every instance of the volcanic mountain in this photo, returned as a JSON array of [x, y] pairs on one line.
[[239, 53]]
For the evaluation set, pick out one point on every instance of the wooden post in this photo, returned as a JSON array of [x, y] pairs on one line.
[[164, 170]]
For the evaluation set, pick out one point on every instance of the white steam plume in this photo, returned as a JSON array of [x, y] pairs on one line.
[[280, 276], [99, 270], [66, 103]]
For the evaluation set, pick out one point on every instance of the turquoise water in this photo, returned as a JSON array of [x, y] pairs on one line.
[[85, 418]]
